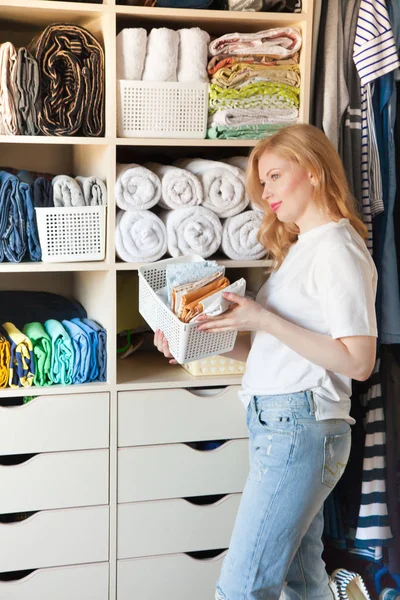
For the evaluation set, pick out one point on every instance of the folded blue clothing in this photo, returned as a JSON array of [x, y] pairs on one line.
[[62, 352], [81, 345], [13, 238], [25, 187], [93, 342], [101, 348]]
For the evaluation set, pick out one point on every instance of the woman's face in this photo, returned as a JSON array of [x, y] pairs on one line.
[[287, 187]]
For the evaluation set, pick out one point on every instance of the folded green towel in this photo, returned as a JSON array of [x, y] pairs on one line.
[[62, 353], [41, 352], [243, 132]]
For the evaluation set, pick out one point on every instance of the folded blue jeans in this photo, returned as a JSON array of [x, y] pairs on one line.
[[295, 462]]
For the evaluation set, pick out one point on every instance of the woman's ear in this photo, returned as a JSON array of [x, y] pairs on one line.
[[313, 181]]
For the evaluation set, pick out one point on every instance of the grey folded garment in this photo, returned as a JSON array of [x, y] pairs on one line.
[[25, 80], [67, 192], [93, 189], [8, 110]]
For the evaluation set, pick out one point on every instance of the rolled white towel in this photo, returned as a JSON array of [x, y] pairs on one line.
[[67, 191], [239, 237], [193, 55], [161, 60], [223, 185], [131, 52], [238, 161], [179, 188], [94, 190], [193, 230], [140, 236], [137, 188]]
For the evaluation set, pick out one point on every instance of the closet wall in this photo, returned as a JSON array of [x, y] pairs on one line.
[[119, 445]]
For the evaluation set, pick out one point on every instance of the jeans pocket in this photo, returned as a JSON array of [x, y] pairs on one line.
[[336, 455], [277, 421]]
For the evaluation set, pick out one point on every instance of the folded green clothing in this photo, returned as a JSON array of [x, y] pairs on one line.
[[243, 132], [62, 353], [41, 352], [254, 95]]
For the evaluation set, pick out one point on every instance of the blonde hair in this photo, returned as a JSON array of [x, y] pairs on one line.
[[311, 149]]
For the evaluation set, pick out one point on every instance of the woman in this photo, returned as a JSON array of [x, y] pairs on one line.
[[313, 327]]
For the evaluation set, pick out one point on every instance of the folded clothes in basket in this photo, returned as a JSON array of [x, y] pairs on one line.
[[181, 273], [22, 367], [191, 303], [41, 352], [216, 304]]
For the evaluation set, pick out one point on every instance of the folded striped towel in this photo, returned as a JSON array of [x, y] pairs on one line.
[[22, 367], [62, 352], [4, 361], [41, 352]]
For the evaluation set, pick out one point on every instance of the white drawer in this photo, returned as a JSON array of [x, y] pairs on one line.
[[174, 576], [54, 538], [55, 480], [179, 471], [179, 415], [171, 526], [53, 423], [80, 582]]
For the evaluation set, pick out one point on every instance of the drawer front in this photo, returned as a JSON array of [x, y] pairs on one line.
[[172, 526], [55, 423], [184, 577], [55, 480], [179, 415], [80, 582], [179, 471], [55, 538]]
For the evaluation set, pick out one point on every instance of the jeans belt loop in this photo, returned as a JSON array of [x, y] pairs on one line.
[[311, 402]]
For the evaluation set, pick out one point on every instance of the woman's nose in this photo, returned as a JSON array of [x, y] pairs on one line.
[[266, 193]]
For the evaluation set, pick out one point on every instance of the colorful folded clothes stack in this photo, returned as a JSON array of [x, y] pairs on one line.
[[255, 83]]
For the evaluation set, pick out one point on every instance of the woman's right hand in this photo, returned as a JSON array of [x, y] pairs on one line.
[[160, 342]]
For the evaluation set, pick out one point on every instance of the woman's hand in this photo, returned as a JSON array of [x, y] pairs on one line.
[[245, 315], [161, 344]]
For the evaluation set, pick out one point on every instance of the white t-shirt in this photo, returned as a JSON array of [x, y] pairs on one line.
[[327, 284]]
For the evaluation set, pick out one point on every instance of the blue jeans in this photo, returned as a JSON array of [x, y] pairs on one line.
[[295, 462]]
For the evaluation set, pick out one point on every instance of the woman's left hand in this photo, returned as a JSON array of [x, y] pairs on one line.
[[245, 315]]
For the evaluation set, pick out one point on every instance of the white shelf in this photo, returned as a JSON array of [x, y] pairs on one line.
[[184, 142], [152, 371], [51, 390], [226, 262], [42, 267], [48, 139]]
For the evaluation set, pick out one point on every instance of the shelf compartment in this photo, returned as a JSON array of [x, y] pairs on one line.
[[226, 262]]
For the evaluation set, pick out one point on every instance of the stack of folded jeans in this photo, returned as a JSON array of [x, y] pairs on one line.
[[71, 72], [255, 83]]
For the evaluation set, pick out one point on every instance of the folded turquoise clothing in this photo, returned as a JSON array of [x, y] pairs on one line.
[[62, 352], [81, 345], [41, 352], [243, 132], [13, 238], [93, 344], [101, 348]]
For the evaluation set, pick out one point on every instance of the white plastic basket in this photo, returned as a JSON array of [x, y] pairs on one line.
[[162, 109], [185, 343], [72, 234]]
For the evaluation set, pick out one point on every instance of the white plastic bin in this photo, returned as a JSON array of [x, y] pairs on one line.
[[72, 234], [162, 109], [186, 344]]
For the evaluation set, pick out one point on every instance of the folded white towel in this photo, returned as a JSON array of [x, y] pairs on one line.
[[131, 52], [161, 60], [223, 185], [67, 192], [193, 230], [140, 236], [193, 55], [236, 117], [94, 190], [239, 237], [179, 187], [137, 188], [281, 42]]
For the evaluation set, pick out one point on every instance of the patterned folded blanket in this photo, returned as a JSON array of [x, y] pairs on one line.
[[254, 95], [280, 42], [71, 95], [243, 132], [240, 74], [233, 117], [227, 60]]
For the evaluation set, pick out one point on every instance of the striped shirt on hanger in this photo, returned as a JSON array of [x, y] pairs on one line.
[[374, 55]]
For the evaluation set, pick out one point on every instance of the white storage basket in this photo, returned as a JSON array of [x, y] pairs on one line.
[[72, 234], [162, 109], [185, 343]]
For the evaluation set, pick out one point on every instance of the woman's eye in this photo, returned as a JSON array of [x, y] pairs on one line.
[[274, 177]]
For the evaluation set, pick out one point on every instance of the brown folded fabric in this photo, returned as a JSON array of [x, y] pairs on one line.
[[71, 69], [227, 60], [192, 302], [180, 290]]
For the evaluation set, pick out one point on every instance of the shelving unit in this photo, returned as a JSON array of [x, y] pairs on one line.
[[95, 284]]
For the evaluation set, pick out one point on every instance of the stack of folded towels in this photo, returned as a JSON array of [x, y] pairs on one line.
[[163, 55], [48, 88], [42, 352], [194, 206], [22, 191], [196, 288], [255, 83]]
